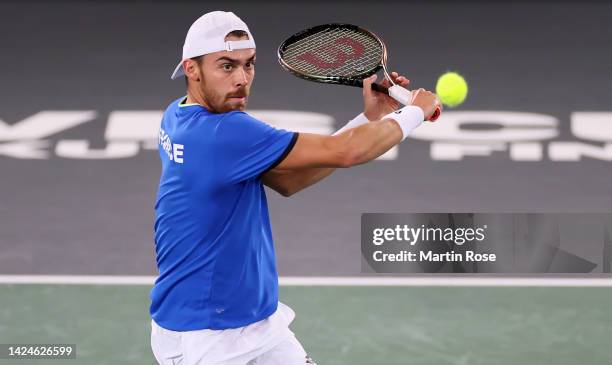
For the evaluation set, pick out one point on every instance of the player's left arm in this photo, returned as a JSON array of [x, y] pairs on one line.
[[289, 182]]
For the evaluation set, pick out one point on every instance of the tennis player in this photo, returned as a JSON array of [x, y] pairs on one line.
[[216, 298]]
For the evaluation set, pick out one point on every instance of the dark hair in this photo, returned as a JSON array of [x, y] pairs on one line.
[[237, 33]]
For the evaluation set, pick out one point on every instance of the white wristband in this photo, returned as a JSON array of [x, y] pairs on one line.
[[353, 123], [408, 118]]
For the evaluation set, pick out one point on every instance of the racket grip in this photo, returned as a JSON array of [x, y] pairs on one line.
[[400, 94], [380, 88], [404, 96]]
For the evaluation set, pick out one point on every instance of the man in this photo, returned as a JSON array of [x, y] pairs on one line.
[[216, 298]]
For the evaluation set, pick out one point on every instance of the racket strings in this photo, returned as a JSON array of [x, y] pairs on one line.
[[334, 52]]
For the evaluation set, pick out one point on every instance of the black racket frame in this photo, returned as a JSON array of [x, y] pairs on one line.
[[356, 80]]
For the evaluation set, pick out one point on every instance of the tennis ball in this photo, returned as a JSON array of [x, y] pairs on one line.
[[451, 89]]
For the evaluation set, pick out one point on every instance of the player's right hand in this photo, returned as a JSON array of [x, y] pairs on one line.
[[425, 100], [377, 105]]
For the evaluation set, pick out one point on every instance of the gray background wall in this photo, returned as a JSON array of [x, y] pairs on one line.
[[66, 216]]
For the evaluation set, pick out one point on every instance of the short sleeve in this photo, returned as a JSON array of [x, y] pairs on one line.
[[247, 147]]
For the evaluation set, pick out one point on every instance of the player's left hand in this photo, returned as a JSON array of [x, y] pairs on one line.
[[377, 105]]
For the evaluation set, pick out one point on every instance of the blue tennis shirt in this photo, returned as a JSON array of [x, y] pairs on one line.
[[213, 239]]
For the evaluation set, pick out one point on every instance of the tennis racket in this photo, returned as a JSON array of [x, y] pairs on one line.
[[341, 54]]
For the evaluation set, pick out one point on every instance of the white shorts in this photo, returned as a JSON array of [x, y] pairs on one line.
[[267, 342]]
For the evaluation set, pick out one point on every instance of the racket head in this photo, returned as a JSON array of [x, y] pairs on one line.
[[335, 53]]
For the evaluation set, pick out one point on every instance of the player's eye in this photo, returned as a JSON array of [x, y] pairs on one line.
[[250, 64], [227, 66]]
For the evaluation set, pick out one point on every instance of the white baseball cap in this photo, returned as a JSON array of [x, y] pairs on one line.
[[207, 35]]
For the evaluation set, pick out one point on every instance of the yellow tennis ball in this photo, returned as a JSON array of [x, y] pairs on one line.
[[451, 89]]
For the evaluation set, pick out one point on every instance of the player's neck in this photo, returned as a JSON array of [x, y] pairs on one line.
[[195, 97]]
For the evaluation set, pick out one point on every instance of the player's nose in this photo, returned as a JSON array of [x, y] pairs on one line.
[[241, 78]]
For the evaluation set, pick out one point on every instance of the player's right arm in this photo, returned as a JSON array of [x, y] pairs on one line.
[[355, 146]]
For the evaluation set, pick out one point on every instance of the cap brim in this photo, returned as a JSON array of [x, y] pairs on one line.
[[178, 71]]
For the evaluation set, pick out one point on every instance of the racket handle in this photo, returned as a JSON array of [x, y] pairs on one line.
[[380, 88], [403, 96]]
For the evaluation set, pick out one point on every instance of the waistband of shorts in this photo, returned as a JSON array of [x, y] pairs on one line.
[[155, 328], [283, 313]]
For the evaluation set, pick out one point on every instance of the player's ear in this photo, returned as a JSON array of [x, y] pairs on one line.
[[191, 69]]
